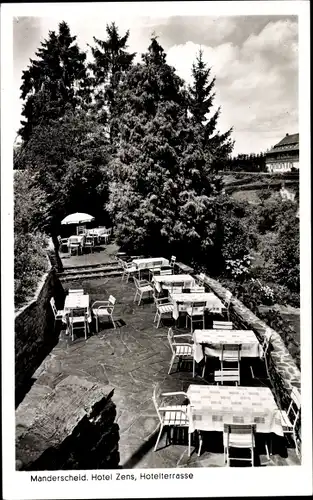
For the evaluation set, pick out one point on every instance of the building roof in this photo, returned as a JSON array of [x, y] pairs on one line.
[[288, 143]]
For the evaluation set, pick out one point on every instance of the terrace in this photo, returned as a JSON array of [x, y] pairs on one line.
[[131, 359]]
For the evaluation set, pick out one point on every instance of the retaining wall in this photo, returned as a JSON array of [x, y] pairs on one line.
[[35, 332]]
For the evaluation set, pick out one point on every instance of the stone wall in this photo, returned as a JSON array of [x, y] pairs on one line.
[[283, 372], [69, 427], [35, 332]]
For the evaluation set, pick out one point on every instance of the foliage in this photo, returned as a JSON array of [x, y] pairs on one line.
[[30, 260], [67, 159], [111, 62], [239, 268], [163, 198], [54, 82], [246, 163]]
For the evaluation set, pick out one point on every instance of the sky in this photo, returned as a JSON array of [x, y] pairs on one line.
[[253, 58]]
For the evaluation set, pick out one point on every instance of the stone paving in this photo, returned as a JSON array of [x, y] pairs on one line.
[[132, 358]]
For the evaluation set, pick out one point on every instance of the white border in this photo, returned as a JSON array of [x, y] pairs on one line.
[[274, 481]]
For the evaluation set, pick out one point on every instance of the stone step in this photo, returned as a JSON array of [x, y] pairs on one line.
[[97, 274]]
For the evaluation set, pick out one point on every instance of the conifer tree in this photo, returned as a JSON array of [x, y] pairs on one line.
[[54, 82], [111, 61], [201, 97]]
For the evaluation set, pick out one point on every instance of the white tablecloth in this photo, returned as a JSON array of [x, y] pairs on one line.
[[80, 238], [183, 300], [97, 231], [77, 301], [213, 406], [150, 263], [213, 340], [166, 281]]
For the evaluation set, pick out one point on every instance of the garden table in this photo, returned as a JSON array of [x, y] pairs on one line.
[[150, 263], [77, 301], [211, 341], [182, 301], [213, 406], [166, 282]]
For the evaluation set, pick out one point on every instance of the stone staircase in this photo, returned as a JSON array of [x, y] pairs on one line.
[[108, 269]]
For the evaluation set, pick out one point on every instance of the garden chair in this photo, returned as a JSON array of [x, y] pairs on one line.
[[197, 289], [172, 261], [239, 436], [201, 279], [222, 325], [129, 269], [227, 302], [80, 291], [142, 287], [179, 350], [104, 309], [77, 319], [195, 314], [166, 272], [170, 416], [290, 417], [257, 371], [58, 313], [230, 361], [163, 306], [63, 244], [75, 247], [227, 375], [89, 243]]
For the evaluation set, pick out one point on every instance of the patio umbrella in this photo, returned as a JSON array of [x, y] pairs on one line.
[[77, 218]]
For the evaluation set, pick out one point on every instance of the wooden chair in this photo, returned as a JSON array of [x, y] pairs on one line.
[[180, 350], [228, 297], [129, 269], [75, 247], [239, 436], [58, 313], [104, 309], [290, 417], [201, 279], [227, 375], [222, 325], [163, 306], [170, 416], [195, 314], [230, 362], [89, 243], [77, 319], [143, 287]]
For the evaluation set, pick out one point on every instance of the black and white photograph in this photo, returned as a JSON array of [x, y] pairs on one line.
[[155, 192]]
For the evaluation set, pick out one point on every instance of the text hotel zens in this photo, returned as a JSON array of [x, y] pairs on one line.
[[116, 476]]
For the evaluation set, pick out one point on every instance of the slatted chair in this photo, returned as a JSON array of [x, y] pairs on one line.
[[172, 261], [79, 291], [77, 319], [227, 302], [63, 244], [222, 325], [166, 272], [201, 279], [195, 314], [104, 309], [58, 313], [230, 358], [259, 370], [89, 243], [239, 436], [227, 375], [290, 417], [170, 415], [129, 269], [164, 306], [143, 287], [180, 350]]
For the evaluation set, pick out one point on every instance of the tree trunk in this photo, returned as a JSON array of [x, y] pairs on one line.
[[58, 261]]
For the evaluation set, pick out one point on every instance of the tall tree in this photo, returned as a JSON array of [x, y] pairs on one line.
[[201, 97], [54, 82], [163, 185], [67, 160], [111, 61]]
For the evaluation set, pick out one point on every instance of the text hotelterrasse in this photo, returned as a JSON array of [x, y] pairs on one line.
[[117, 476]]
